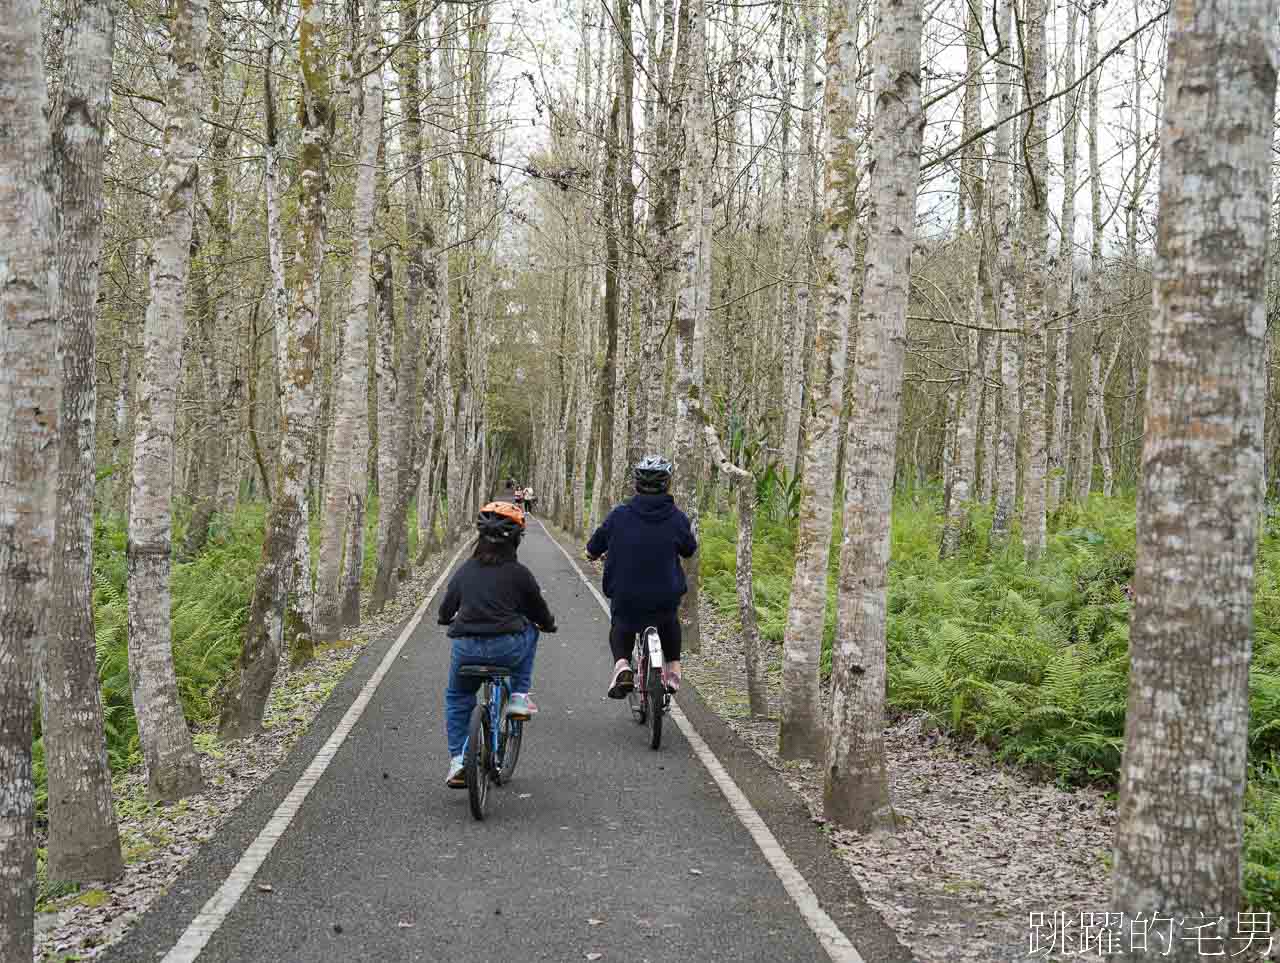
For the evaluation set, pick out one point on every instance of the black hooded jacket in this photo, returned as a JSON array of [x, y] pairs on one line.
[[645, 539]]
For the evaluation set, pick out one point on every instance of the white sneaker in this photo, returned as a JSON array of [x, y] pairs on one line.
[[457, 778]]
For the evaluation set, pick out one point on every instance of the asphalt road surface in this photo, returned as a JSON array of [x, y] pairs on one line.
[[598, 846]]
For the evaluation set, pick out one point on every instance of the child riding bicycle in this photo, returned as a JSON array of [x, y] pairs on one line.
[[645, 538], [494, 609]]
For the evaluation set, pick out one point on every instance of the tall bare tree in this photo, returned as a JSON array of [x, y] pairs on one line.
[[173, 769], [857, 783], [30, 399], [963, 481], [1083, 470], [802, 732], [1180, 825], [84, 842], [1064, 282], [400, 456], [1039, 267], [1006, 474], [284, 570], [693, 294], [346, 475]]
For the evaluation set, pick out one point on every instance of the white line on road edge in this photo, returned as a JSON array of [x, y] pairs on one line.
[[837, 945], [220, 904]]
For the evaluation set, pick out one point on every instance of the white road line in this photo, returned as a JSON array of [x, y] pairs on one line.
[[837, 945], [220, 904]]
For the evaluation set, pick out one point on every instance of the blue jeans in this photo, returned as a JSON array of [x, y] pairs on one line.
[[515, 650]]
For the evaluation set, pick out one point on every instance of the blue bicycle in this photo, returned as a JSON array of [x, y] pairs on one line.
[[493, 741]]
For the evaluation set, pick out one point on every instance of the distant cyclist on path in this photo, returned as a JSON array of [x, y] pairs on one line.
[[644, 539]]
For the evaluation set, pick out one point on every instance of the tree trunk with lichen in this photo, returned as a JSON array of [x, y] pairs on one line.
[[1039, 267], [693, 298], [399, 486], [344, 481], [283, 572], [802, 733], [973, 190], [84, 841], [1180, 823], [173, 769], [1083, 469], [856, 793], [214, 256], [1005, 479], [30, 397]]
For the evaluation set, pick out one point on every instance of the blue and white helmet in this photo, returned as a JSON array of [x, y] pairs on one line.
[[653, 475]]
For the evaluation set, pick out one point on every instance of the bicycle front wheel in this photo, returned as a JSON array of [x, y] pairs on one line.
[[476, 761], [654, 695]]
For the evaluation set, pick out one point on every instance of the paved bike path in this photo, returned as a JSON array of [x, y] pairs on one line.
[[599, 845]]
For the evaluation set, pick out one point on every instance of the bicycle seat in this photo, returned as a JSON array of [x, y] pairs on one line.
[[485, 671]]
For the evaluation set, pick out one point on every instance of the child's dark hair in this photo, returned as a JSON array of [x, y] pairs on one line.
[[494, 553]]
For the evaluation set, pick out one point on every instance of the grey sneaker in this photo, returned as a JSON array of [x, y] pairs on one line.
[[457, 777]]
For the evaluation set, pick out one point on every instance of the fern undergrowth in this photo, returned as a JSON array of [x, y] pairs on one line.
[[211, 594], [1031, 660]]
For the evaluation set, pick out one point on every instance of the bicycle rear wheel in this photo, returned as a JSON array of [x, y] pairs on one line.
[[476, 761], [635, 698], [655, 695]]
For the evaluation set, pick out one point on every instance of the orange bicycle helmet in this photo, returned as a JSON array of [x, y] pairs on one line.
[[500, 522]]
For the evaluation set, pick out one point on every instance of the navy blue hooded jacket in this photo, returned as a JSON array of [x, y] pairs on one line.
[[645, 539]]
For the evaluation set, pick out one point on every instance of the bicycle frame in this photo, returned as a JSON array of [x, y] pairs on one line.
[[491, 697]]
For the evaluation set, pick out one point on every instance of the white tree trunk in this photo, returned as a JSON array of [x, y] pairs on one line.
[[30, 397], [1064, 281], [802, 733], [173, 769], [857, 783], [1039, 267], [420, 228], [1006, 474], [792, 215], [389, 434], [693, 299], [963, 482], [1180, 823], [1083, 475], [285, 569], [342, 486], [583, 449], [990, 401], [1104, 424], [84, 843]]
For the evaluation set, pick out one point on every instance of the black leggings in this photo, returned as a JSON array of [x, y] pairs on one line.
[[622, 636]]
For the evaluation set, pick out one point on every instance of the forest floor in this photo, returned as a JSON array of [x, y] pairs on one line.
[[159, 840], [988, 863]]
